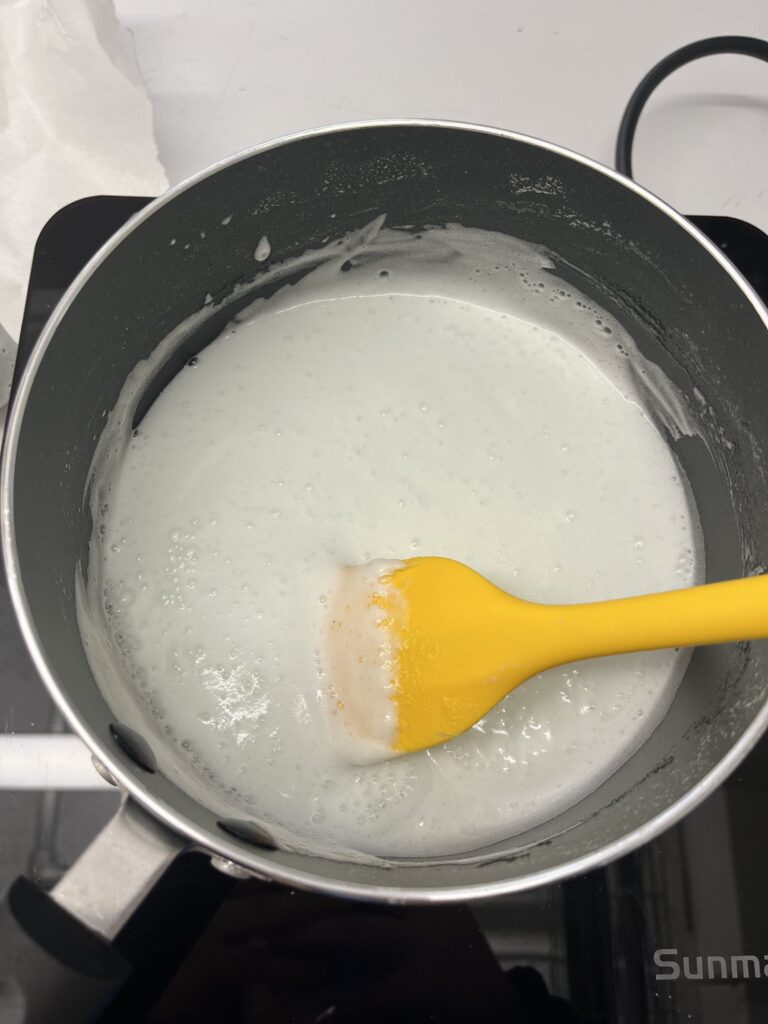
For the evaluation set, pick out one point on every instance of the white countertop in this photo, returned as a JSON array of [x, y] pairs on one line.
[[225, 74]]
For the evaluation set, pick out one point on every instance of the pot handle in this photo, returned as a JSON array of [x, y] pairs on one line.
[[57, 962]]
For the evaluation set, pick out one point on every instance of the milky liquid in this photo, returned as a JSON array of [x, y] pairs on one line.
[[359, 415]]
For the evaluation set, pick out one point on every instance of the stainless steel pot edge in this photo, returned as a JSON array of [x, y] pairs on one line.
[[220, 845]]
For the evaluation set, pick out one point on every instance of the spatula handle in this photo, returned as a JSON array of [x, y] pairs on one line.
[[710, 614]]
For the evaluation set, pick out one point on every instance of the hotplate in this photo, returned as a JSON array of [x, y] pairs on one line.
[[675, 932]]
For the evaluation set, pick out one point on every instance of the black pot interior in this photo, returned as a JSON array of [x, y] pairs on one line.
[[684, 309]]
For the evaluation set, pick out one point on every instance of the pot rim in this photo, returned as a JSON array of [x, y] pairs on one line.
[[131, 783]]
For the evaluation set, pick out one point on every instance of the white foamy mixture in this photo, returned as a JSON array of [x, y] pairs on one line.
[[447, 395]]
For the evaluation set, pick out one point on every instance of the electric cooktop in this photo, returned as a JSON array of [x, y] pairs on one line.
[[677, 931]]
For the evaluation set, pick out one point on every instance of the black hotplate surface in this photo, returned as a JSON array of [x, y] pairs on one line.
[[677, 931]]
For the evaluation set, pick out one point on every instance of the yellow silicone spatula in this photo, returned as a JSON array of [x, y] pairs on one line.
[[424, 648]]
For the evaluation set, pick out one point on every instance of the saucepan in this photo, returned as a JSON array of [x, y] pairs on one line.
[[689, 311]]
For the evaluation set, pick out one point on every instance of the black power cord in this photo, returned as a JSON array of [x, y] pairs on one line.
[[745, 46]]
